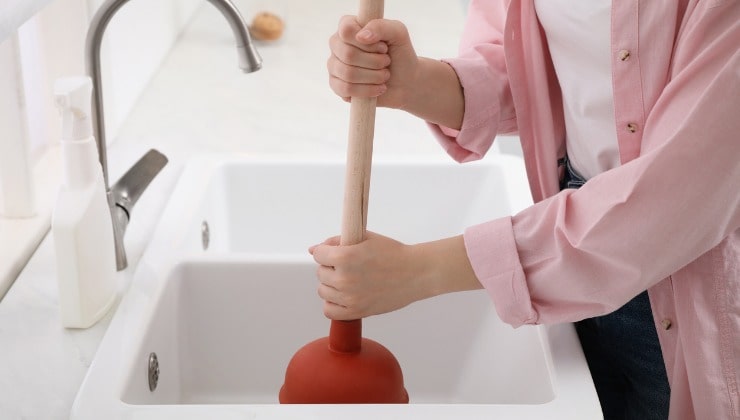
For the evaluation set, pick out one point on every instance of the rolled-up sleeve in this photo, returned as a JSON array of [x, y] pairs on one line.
[[481, 69]]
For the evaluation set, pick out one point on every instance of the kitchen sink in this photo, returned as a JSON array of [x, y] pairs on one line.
[[225, 293]]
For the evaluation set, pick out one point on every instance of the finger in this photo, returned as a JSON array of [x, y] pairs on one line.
[[355, 74], [356, 56], [328, 254], [325, 275], [336, 312], [391, 32], [329, 293], [321, 255], [337, 304], [347, 33], [350, 90], [331, 241], [340, 312]]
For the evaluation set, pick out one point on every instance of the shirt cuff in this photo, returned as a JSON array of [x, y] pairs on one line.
[[492, 252], [481, 120]]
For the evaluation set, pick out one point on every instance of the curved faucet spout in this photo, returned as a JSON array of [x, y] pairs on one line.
[[249, 58], [249, 61]]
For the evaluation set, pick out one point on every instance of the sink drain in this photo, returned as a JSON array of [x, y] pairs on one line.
[[205, 235], [153, 373]]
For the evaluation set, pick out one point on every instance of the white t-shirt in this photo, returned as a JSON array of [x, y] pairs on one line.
[[578, 35]]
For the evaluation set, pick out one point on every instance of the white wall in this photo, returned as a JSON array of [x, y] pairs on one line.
[[136, 41], [51, 47], [14, 12], [16, 190]]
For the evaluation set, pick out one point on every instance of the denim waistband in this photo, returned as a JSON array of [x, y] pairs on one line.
[[571, 178]]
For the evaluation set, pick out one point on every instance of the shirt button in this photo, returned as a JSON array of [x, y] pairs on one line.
[[623, 55], [666, 324], [632, 127]]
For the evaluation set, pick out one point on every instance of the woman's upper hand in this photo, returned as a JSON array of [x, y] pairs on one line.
[[377, 60]]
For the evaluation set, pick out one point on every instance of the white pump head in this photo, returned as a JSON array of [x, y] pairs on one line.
[[73, 96]]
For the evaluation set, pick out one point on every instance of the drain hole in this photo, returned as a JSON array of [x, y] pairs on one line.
[[205, 235], [153, 372]]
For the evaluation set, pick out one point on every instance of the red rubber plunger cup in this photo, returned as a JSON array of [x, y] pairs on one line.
[[345, 368]]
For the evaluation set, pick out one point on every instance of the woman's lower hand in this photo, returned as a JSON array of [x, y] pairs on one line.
[[369, 278], [381, 275]]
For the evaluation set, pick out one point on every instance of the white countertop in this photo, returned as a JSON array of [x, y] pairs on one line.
[[200, 102]]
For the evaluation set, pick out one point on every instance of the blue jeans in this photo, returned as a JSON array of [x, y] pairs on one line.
[[623, 353]]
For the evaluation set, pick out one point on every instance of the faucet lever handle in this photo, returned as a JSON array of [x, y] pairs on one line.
[[127, 190]]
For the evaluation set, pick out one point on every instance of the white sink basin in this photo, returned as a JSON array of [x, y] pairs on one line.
[[224, 321]]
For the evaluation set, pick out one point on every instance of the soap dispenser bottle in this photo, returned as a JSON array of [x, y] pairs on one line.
[[81, 222]]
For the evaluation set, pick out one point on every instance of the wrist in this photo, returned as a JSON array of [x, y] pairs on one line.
[[435, 94]]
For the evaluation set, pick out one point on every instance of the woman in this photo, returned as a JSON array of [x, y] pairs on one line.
[[642, 99]]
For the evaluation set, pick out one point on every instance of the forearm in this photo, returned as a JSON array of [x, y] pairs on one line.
[[442, 266], [436, 95]]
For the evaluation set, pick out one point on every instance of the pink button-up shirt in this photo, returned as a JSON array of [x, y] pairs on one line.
[[666, 220]]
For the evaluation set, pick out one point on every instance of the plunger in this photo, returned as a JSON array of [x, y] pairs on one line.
[[345, 368]]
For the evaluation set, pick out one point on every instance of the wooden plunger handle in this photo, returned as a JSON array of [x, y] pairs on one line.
[[346, 336], [359, 150]]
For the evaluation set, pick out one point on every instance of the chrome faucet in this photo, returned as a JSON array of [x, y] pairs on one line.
[[126, 192]]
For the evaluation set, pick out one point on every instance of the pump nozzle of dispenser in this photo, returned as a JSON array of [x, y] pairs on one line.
[[73, 96]]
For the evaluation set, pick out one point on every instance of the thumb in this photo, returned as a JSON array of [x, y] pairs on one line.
[[333, 241], [391, 31]]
